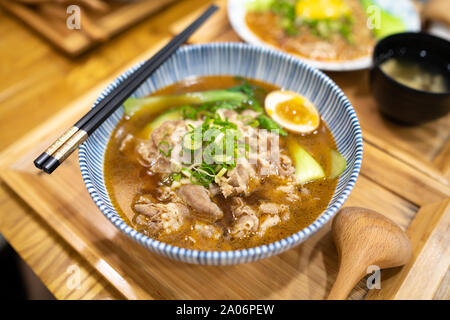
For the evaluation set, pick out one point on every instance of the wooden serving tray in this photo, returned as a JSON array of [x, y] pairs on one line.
[[404, 176], [98, 22]]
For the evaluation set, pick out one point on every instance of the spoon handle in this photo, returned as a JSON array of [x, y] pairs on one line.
[[345, 282]]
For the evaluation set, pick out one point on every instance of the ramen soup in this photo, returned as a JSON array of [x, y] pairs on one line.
[[321, 30], [169, 177]]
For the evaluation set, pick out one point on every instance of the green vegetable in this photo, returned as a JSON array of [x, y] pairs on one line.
[[252, 123], [172, 114], [219, 145], [221, 172], [157, 103], [176, 176], [259, 5], [250, 91], [327, 27], [267, 123], [203, 175], [189, 112], [323, 29], [285, 9], [346, 31], [338, 164], [389, 24], [164, 152], [307, 169]]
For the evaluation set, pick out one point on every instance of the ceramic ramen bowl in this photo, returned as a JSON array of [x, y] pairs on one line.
[[248, 61]]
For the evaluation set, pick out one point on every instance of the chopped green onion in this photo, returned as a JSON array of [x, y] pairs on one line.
[[176, 176], [252, 123], [221, 173], [189, 112], [267, 123], [164, 153], [186, 172]]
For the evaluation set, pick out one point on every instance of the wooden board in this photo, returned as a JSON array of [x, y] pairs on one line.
[[405, 188], [305, 272], [97, 25]]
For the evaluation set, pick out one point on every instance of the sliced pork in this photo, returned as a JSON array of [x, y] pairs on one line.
[[198, 198], [161, 217]]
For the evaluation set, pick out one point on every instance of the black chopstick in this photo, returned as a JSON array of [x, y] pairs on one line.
[[79, 132]]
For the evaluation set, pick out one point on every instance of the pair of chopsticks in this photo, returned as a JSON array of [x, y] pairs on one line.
[[51, 158]]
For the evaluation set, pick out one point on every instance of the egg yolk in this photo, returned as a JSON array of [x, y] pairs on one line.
[[321, 9], [295, 112]]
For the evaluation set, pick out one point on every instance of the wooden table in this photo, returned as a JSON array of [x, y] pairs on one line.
[[36, 82], [407, 168]]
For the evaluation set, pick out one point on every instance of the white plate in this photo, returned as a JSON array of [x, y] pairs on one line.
[[404, 9]]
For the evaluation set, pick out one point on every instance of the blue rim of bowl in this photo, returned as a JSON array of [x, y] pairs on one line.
[[241, 255]]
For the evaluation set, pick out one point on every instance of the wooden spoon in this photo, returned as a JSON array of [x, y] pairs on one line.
[[363, 238]]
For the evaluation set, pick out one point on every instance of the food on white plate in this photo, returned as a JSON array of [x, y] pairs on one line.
[[322, 30]]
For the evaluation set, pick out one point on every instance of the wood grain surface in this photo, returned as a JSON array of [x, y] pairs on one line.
[[429, 236], [36, 82], [98, 23], [405, 171]]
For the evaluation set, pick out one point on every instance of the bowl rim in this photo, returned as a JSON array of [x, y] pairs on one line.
[[420, 36], [241, 255]]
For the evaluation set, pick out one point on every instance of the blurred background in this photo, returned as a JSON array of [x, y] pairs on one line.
[[44, 66]]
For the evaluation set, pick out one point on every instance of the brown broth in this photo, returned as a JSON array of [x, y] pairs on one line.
[[126, 180]]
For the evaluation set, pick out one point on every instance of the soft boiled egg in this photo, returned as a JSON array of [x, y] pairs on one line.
[[292, 111], [321, 9]]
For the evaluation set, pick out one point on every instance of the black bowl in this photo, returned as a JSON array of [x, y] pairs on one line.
[[399, 102]]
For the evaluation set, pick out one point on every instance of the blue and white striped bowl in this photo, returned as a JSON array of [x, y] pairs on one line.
[[251, 62]]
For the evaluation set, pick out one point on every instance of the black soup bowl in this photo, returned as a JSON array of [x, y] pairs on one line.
[[403, 103]]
